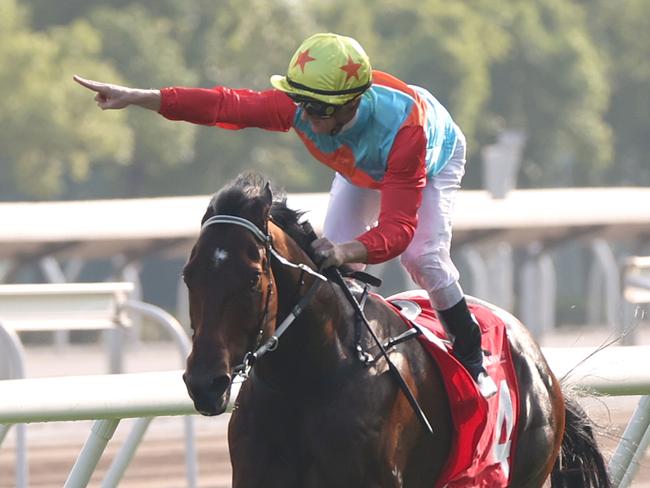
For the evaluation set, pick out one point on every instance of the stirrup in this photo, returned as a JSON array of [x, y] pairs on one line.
[[486, 385]]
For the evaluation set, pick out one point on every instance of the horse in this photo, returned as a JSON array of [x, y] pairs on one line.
[[310, 414]]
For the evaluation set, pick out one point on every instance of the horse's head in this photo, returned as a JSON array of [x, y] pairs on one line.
[[231, 290]]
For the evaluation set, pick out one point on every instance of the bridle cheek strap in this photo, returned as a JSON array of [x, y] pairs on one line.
[[272, 343]]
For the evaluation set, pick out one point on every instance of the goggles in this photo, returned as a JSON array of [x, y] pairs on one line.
[[315, 108]]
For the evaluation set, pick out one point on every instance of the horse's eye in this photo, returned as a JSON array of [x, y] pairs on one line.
[[255, 280]]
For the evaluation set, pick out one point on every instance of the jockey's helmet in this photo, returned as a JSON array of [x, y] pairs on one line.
[[327, 68]]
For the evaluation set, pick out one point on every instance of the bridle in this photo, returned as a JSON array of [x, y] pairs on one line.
[[271, 344], [259, 350]]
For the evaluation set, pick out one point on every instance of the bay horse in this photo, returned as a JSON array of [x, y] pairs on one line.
[[311, 415]]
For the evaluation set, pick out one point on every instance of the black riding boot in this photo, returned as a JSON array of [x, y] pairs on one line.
[[465, 335]]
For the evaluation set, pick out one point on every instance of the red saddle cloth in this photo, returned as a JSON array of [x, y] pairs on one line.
[[482, 450]]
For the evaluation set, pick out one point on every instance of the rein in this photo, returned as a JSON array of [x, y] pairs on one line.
[[363, 356], [243, 370]]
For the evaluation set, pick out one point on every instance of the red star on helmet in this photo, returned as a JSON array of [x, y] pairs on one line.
[[303, 59], [351, 69]]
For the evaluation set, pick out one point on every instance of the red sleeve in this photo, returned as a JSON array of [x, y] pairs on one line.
[[401, 196], [228, 108]]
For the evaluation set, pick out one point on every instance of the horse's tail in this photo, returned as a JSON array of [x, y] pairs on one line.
[[580, 462]]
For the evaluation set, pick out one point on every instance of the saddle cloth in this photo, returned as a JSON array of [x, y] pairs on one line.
[[482, 450]]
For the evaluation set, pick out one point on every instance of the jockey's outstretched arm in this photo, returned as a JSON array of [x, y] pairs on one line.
[[109, 96]]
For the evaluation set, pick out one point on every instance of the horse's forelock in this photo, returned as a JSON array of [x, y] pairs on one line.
[[237, 197]]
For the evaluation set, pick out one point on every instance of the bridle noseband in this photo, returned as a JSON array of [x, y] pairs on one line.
[[272, 342]]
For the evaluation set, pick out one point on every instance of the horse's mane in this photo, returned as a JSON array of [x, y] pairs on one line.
[[237, 196], [288, 220]]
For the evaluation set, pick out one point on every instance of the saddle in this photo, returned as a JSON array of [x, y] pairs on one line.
[[482, 450]]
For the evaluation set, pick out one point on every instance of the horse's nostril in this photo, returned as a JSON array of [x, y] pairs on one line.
[[220, 384], [206, 386]]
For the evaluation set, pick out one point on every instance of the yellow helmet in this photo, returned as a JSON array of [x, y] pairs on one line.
[[327, 67]]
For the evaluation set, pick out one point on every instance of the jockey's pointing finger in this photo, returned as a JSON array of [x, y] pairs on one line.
[[115, 97], [90, 84]]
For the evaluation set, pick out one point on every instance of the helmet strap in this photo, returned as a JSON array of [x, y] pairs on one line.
[[353, 106], [337, 128]]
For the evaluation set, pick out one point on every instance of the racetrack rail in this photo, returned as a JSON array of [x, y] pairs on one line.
[[159, 461]]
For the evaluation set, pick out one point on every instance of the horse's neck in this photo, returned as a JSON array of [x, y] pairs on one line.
[[316, 345]]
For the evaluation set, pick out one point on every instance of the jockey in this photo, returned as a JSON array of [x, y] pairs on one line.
[[398, 156]]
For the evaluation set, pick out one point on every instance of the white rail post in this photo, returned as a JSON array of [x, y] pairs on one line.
[[636, 461], [92, 451], [636, 438], [125, 455], [53, 272], [625, 461], [500, 268], [635, 279], [17, 361], [538, 290], [605, 258], [91, 397], [478, 269]]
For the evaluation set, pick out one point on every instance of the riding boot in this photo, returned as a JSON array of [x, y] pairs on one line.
[[465, 335]]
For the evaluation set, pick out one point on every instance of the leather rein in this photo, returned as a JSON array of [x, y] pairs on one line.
[[259, 350]]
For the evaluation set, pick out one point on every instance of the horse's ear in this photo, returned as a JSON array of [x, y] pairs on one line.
[[209, 212], [268, 194], [261, 208], [267, 201]]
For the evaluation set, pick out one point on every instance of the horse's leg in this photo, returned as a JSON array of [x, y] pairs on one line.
[[260, 452], [368, 435], [416, 456], [541, 410]]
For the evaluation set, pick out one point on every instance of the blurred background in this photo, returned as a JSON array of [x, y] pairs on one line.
[[573, 75], [571, 79], [551, 94]]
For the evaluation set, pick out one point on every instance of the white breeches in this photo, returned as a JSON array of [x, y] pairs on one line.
[[352, 210]]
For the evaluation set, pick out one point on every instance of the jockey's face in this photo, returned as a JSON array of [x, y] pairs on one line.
[[331, 125], [320, 125]]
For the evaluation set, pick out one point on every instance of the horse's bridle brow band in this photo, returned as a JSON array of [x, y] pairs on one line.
[[270, 345], [242, 222], [262, 237]]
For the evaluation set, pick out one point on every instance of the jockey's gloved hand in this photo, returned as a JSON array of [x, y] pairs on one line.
[[327, 253]]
